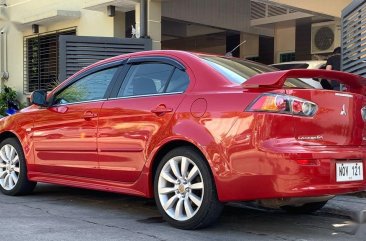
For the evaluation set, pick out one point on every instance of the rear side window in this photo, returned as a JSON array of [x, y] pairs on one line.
[[179, 82], [146, 79], [153, 78], [88, 88]]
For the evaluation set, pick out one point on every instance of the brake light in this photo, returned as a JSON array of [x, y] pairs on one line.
[[363, 113], [284, 104]]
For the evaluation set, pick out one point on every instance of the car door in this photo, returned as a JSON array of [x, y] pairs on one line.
[[135, 119], [64, 134]]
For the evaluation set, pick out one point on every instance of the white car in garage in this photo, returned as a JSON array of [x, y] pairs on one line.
[[306, 64]]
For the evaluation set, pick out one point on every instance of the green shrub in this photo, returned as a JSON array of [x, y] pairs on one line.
[[8, 94]]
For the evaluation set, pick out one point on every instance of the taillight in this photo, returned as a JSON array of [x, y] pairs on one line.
[[363, 113], [284, 104]]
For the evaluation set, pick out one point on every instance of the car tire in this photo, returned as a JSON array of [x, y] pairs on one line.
[[187, 201], [304, 209], [13, 169]]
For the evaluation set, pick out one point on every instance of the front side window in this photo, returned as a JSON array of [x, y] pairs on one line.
[[146, 79], [88, 88]]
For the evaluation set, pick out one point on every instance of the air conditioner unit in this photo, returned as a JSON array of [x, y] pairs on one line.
[[325, 37]]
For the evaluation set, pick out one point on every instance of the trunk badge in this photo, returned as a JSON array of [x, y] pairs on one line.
[[310, 138], [343, 111]]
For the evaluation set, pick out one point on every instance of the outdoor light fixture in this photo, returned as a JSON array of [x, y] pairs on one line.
[[111, 10], [35, 28]]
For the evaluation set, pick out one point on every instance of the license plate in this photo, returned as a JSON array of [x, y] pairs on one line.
[[349, 171]]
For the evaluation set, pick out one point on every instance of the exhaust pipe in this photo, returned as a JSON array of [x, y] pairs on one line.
[[280, 202]]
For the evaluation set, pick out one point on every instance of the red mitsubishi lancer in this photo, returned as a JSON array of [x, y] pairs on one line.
[[193, 131]]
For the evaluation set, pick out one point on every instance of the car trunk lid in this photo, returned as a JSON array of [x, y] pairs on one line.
[[338, 120]]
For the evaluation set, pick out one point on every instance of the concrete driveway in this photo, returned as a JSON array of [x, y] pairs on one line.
[[62, 213]]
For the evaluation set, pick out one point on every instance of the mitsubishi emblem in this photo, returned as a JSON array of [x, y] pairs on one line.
[[343, 111]]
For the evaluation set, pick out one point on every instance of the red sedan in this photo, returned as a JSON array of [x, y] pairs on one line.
[[194, 131]]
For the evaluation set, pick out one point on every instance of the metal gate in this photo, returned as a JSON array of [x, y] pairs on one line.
[[41, 60], [354, 38]]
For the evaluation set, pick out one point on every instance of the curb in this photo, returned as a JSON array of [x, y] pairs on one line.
[[353, 207]]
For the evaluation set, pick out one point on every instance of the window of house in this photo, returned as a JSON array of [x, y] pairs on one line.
[[88, 88], [287, 57], [41, 60], [253, 58]]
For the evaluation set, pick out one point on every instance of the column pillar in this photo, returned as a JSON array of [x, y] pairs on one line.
[[137, 18], [154, 22]]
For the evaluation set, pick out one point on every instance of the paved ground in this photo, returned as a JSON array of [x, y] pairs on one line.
[[61, 213]]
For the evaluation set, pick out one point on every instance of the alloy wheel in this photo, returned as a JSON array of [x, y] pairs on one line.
[[180, 188], [9, 167]]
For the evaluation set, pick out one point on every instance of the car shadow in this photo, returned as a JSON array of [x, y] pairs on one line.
[[237, 219]]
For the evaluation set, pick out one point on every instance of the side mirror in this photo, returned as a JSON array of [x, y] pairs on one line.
[[39, 97]]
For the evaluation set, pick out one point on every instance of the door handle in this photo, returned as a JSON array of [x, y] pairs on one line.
[[161, 110], [89, 115]]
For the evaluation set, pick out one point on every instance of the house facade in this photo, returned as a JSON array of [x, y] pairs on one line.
[[42, 42]]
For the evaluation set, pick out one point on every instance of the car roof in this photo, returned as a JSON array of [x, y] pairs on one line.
[[196, 65]]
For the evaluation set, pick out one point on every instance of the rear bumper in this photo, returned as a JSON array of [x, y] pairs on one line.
[[275, 173]]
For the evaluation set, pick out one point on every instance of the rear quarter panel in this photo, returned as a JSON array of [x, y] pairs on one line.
[[207, 128]]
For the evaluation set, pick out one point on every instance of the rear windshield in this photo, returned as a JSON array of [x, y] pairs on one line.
[[238, 71], [291, 66]]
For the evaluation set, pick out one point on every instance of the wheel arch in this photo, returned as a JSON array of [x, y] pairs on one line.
[[164, 149], [8, 134]]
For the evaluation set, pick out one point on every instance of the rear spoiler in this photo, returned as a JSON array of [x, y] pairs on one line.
[[276, 80]]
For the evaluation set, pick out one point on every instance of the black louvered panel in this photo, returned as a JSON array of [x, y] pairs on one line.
[[354, 38], [77, 52]]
